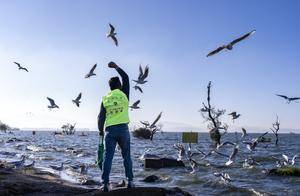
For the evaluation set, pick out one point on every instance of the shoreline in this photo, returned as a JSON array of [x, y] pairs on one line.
[[36, 182]]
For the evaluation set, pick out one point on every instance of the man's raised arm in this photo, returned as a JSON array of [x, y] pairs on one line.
[[124, 76]]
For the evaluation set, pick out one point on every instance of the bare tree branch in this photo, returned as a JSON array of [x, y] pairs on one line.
[[275, 128], [212, 115]]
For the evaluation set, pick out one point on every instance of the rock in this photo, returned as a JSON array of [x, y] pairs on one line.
[[17, 183], [121, 184], [91, 182], [285, 171], [157, 163], [146, 191], [14, 139], [151, 178]]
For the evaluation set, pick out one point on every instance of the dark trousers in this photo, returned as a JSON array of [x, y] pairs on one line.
[[113, 135]]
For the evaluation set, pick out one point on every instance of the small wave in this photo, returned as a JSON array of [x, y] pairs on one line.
[[34, 148], [233, 190]]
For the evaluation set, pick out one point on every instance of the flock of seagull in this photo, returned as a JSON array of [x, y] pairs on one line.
[[193, 158], [182, 153], [141, 80], [143, 74]]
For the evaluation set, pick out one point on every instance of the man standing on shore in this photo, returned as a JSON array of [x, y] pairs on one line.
[[114, 118]]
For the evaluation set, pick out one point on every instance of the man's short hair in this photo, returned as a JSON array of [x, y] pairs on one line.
[[114, 83]]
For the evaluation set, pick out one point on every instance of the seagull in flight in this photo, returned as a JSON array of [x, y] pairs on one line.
[[112, 34], [135, 105], [77, 100], [143, 75], [244, 132], [205, 154], [288, 99], [251, 145], [155, 121], [234, 115], [20, 67], [288, 161], [224, 144], [52, 103], [231, 156], [145, 123], [136, 87], [181, 151], [91, 73], [230, 45]]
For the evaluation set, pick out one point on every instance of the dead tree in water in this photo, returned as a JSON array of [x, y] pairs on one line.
[[212, 115], [68, 129], [275, 128]]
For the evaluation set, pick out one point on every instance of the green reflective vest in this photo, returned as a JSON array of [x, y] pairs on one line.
[[116, 105]]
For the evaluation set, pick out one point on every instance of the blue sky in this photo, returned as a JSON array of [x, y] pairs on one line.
[[60, 40]]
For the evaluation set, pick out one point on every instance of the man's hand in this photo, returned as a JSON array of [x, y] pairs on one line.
[[112, 65]]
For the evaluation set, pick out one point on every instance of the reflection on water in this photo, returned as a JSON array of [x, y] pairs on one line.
[[47, 149]]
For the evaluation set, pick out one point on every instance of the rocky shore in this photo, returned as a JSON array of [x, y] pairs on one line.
[[35, 182]]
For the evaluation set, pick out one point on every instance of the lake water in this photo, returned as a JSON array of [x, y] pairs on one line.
[[47, 149]]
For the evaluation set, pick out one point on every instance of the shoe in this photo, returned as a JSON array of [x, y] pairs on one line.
[[130, 185], [104, 188]]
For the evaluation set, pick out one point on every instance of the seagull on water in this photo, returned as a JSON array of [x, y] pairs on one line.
[[288, 99], [29, 165], [230, 45], [83, 169], [143, 75], [58, 168], [52, 103], [112, 34], [77, 100], [135, 105], [224, 176], [19, 164], [136, 87], [251, 145], [20, 67], [91, 73]]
